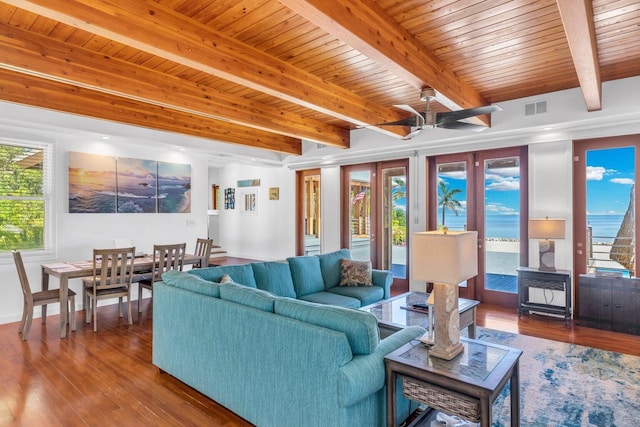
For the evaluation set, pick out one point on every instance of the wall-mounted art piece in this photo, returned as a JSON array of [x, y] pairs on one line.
[[107, 184], [229, 198], [174, 188], [92, 183], [249, 201], [274, 193], [136, 180], [249, 183]]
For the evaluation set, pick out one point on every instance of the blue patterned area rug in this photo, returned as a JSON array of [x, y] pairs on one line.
[[569, 385]]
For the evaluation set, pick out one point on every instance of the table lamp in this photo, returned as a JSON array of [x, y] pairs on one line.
[[446, 259], [546, 229]]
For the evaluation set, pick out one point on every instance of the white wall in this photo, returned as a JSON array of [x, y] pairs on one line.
[[270, 234]]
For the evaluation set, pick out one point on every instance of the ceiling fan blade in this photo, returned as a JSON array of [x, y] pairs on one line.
[[412, 134], [461, 126], [450, 116], [409, 121], [409, 109]]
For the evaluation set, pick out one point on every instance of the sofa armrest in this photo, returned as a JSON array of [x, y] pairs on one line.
[[365, 375], [384, 279]]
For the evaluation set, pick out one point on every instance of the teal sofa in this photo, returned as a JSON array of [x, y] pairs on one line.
[[275, 361], [313, 278]]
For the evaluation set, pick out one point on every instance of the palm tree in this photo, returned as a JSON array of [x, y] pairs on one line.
[[447, 199]]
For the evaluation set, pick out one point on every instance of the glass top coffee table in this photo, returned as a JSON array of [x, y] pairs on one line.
[[397, 313]]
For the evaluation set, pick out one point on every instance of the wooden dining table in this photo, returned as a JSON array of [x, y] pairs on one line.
[[66, 270]]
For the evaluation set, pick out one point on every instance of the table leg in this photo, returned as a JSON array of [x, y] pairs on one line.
[[472, 326], [45, 287], [485, 412], [515, 395], [64, 303], [391, 397]]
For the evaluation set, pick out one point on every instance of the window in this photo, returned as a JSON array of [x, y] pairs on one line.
[[24, 196]]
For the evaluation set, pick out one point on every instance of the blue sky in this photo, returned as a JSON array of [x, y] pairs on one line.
[[502, 190], [610, 174]]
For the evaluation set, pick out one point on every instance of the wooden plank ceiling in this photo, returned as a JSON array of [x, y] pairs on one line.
[[267, 73]]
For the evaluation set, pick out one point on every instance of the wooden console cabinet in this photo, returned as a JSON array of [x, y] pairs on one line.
[[611, 303], [559, 280]]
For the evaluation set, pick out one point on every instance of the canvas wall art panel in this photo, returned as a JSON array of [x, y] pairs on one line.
[[92, 183], [174, 188], [136, 179]]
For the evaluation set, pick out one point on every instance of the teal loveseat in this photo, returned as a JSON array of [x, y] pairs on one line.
[[313, 278], [275, 361]]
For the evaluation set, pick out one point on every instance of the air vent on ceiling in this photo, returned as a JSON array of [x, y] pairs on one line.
[[532, 108]]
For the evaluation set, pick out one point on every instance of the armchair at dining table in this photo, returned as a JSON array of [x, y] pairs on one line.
[[165, 258], [112, 275]]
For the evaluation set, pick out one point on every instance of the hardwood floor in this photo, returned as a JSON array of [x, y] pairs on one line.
[[107, 379]]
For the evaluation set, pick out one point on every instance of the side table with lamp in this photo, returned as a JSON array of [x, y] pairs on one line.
[[461, 377]]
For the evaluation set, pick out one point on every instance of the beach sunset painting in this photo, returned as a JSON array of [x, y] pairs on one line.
[[174, 188], [92, 183], [137, 187]]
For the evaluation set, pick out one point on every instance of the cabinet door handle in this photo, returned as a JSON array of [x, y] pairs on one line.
[[617, 305], [606, 304]]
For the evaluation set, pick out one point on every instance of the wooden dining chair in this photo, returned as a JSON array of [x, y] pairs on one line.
[[165, 258], [112, 274], [203, 249], [41, 298]]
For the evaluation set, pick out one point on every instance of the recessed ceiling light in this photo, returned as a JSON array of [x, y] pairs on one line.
[[548, 128], [105, 137]]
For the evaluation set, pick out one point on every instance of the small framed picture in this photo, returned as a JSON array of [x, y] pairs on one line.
[[274, 193]]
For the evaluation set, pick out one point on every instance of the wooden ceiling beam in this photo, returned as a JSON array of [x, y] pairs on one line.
[[39, 55], [35, 91], [369, 29], [579, 26], [150, 27]]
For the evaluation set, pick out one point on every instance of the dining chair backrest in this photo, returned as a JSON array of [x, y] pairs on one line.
[[167, 257], [113, 268], [203, 249], [22, 275]]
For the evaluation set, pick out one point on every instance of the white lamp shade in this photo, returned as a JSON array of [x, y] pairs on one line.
[[546, 228], [444, 258]]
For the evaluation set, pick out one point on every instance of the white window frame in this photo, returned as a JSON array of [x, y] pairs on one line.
[[48, 167]]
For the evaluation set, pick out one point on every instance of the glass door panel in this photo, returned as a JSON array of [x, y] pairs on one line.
[[360, 214], [394, 221], [312, 220], [308, 212], [452, 196], [610, 209], [501, 223]]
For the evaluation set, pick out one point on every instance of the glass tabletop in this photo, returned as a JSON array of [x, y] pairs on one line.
[[398, 311], [477, 361]]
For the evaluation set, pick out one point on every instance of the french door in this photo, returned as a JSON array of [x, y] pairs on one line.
[[605, 206], [484, 191], [374, 216]]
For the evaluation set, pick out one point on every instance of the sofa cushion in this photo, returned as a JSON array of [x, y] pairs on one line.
[[330, 266], [306, 274], [360, 328], [255, 298], [365, 294], [182, 280], [240, 274], [355, 273], [331, 298], [274, 277]]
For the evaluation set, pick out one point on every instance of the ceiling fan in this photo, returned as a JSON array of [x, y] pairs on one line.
[[432, 119]]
